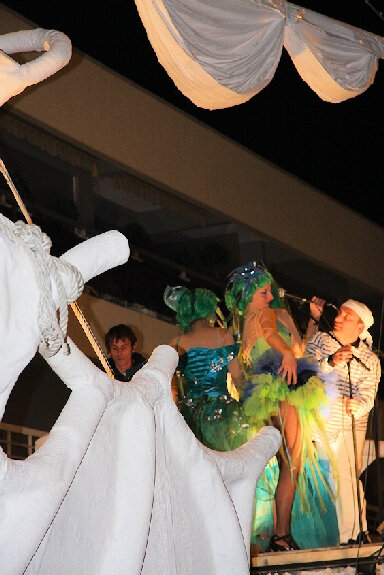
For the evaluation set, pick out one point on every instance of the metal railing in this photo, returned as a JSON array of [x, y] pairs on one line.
[[18, 442]]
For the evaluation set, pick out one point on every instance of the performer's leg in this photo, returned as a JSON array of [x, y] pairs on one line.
[[289, 468]]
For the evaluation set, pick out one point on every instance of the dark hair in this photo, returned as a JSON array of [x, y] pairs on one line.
[[117, 332]]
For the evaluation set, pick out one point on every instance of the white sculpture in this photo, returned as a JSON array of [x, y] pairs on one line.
[[121, 486], [14, 77]]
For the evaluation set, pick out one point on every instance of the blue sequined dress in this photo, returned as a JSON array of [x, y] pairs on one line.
[[207, 407]]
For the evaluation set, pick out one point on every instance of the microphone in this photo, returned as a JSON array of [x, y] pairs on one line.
[[283, 293]]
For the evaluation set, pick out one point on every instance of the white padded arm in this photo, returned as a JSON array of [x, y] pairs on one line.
[[15, 77]]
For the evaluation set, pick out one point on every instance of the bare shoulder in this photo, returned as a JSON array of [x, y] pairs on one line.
[[227, 336], [176, 341], [180, 344]]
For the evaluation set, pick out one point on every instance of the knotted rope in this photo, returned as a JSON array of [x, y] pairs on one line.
[[36, 244], [53, 332]]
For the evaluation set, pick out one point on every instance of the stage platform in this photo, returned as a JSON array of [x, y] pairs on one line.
[[364, 558]]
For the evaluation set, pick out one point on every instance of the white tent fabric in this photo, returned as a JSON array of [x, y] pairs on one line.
[[121, 485], [15, 77], [221, 54]]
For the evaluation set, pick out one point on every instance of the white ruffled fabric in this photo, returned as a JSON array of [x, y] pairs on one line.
[[221, 54], [121, 485]]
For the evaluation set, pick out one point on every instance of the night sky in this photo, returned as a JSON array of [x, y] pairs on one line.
[[335, 147]]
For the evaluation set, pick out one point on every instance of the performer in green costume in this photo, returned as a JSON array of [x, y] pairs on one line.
[[294, 506], [207, 355]]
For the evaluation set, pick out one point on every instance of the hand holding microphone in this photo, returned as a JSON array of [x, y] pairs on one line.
[[316, 306], [315, 301]]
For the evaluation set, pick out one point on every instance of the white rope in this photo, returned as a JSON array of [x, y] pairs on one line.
[[16, 194], [52, 323]]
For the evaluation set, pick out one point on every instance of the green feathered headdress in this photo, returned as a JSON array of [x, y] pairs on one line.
[[191, 305], [243, 281]]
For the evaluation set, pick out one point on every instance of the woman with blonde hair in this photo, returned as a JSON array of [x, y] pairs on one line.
[[281, 388]]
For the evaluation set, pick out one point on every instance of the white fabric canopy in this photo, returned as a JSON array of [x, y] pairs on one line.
[[220, 54]]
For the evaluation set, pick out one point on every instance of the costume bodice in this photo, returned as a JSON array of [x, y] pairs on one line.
[[205, 369]]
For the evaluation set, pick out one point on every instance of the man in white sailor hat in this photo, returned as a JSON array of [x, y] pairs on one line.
[[346, 351]]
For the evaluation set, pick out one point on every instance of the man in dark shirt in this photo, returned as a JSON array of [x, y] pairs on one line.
[[120, 342]]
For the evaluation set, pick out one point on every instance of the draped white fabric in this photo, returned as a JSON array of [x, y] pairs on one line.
[[220, 54], [121, 485]]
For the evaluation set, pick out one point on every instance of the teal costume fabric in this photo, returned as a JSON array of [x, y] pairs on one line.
[[313, 520], [212, 414]]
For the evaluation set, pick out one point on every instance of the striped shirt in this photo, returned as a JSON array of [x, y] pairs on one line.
[[364, 382]]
